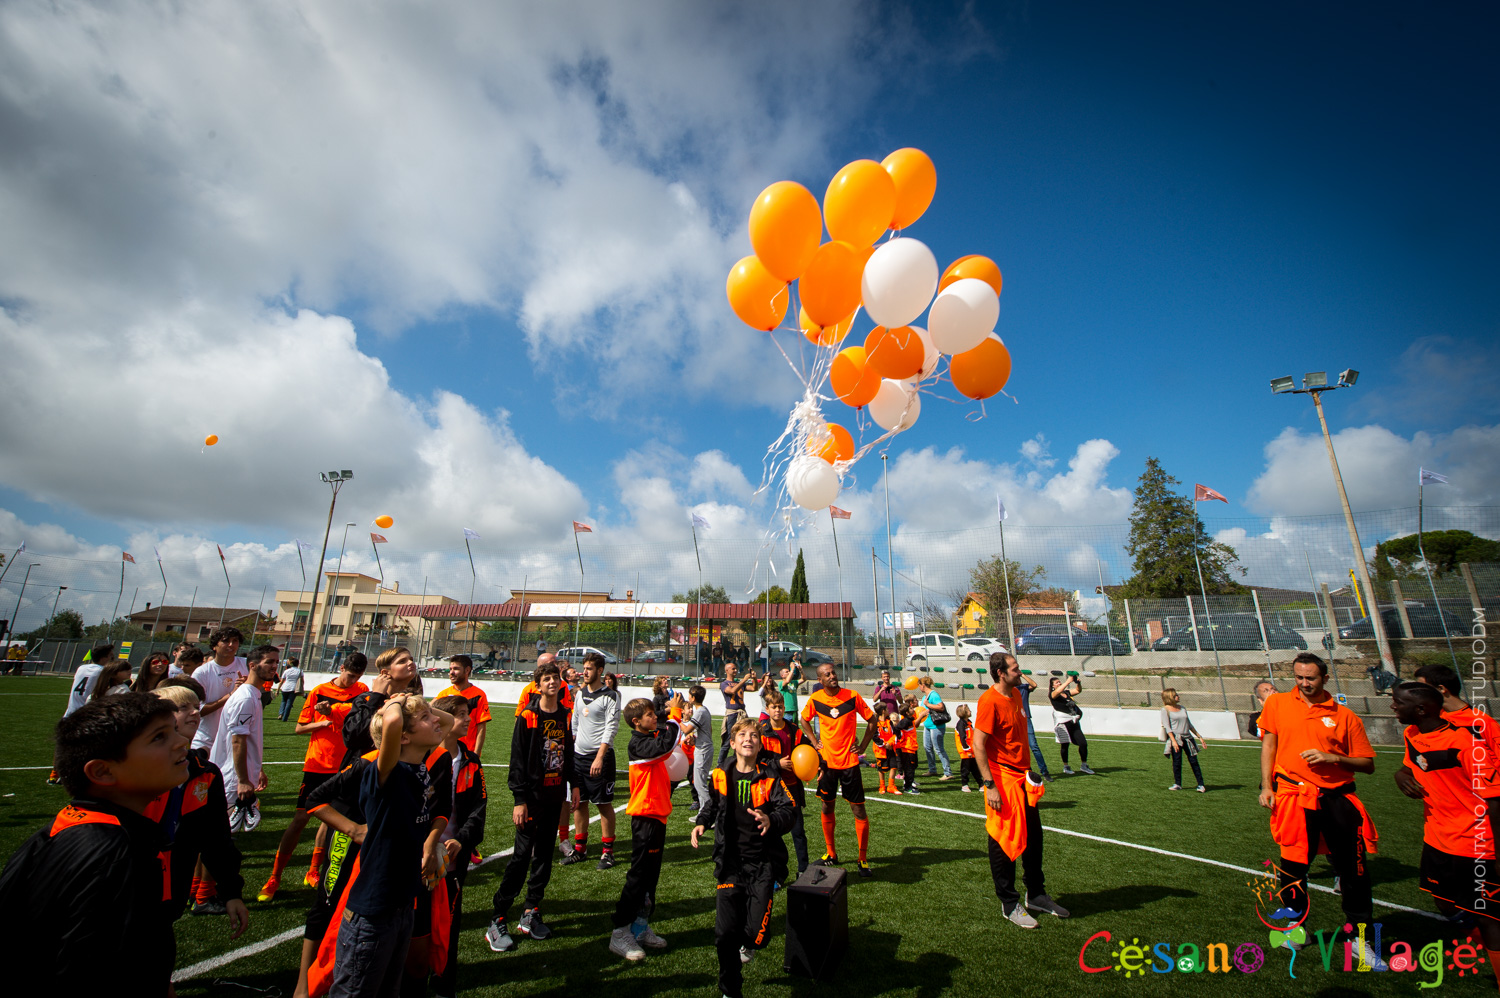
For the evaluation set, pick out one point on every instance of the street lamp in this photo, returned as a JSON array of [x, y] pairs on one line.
[[333, 588], [48, 636], [1314, 383], [334, 480]]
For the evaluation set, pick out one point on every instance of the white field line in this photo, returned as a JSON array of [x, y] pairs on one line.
[[1143, 848], [214, 963]]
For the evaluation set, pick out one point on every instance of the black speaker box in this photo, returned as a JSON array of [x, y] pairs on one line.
[[817, 922]]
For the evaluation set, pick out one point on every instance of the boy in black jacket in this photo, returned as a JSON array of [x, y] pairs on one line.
[[541, 767], [81, 901], [461, 838], [749, 810]]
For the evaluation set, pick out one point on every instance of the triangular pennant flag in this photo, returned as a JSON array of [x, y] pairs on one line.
[[698, 521], [221, 551], [128, 557], [838, 514], [470, 535], [377, 538], [1203, 492], [582, 528], [1424, 476]]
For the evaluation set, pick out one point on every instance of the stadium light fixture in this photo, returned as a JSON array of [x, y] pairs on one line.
[[334, 480], [1286, 384], [1348, 377], [1315, 379]]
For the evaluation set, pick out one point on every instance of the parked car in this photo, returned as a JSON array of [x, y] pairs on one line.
[[1230, 632], [574, 656], [1052, 639], [656, 655], [1424, 624], [782, 651], [936, 645]]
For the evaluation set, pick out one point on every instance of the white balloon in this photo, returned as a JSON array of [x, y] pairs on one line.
[[896, 406], [899, 280], [677, 765], [930, 357], [963, 315], [811, 482]]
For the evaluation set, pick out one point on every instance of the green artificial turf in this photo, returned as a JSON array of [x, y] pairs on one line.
[[927, 925]]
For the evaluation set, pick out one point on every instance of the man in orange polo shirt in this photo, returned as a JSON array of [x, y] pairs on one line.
[[322, 718], [1311, 747], [838, 712], [1011, 818], [459, 668]]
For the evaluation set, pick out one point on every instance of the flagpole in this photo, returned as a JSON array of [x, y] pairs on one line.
[[875, 584], [1212, 638], [422, 622], [890, 558], [228, 586], [1010, 619], [117, 599], [156, 626], [578, 610], [473, 581], [636, 615], [375, 618], [520, 616], [259, 607], [11, 561], [1438, 606], [302, 565], [185, 624], [843, 644]]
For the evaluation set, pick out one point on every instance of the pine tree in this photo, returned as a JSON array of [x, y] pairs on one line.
[[799, 581], [1163, 525]]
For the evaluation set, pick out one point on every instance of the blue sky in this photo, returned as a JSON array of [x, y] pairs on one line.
[[488, 274]]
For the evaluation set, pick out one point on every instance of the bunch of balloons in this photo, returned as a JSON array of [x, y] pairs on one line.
[[894, 282]]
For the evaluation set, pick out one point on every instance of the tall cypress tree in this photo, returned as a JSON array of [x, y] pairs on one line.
[[799, 592], [1162, 528]]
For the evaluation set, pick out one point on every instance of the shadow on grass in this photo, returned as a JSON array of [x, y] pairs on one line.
[[1127, 897], [870, 967], [910, 866]]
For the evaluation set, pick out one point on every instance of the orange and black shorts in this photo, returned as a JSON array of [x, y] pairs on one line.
[[1465, 882], [850, 782], [310, 782]]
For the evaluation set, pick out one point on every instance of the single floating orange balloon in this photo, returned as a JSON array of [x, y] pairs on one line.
[[981, 267], [384, 522], [983, 371], [210, 440], [895, 353], [911, 682], [824, 336], [805, 763], [756, 295], [852, 379], [859, 203], [830, 287], [916, 182], [838, 447], [785, 228]]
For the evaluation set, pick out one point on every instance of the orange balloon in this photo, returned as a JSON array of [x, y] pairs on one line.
[[384, 522], [756, 296], [830, 287], [853, 380], [983, 371], [839, 448], [824, 336], [916, 182], [785, 226], [211, 439], [860, 202], [895, 353], [805, 763], [981, 267]]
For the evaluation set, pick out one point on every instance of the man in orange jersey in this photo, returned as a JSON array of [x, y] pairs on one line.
[[650, 805], [1011, 819], [530, 691], [1310, 749], [322, 718], [1455, 778], [838, 712], [459, 668]]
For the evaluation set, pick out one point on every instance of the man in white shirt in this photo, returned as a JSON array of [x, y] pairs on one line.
[[218, 677], [596, 721], [291, 687], [239, 745]]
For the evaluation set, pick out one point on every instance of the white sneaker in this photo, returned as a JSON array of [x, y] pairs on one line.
[[1202, 789], [252, 818], [622, 943], [650, 939], [746, 954], [1019, 916], [966, 790], [1370, 957], [1067, 770], [1175, 786]]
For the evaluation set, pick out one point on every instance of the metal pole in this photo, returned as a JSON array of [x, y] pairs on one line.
[[1193, 622], [473, 580], [1109, 634], [4, 569], [875, 582], [839, 566], [1265, 642], [312, 607], [636, 610], [112, 619], [49, 625], [520, 617], [156, 625], [228, 587], [1068, 628], [17, 614], [1428, 570], [375, 616], [1010, 620], [422, 621], [333, 588], [890, 562], [1213, 639], [578, 610], [1376, 623], [193, 602]]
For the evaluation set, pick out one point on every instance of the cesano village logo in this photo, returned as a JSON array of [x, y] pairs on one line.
[[1340, 950]]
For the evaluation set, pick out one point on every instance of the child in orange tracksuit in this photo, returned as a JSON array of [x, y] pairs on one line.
[[649, 808], [904, 726], [885, 749], [963, 733]]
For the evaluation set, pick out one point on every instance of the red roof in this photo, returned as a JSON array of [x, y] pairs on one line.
[[696, 611]]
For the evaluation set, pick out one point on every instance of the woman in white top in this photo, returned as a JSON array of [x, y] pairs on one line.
[[1181, 737]]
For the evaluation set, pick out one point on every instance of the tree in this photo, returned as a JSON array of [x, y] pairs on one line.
[[67, 625], [710, 594], [987, 581], [799, 593], [1163, 526], [1446, 550]]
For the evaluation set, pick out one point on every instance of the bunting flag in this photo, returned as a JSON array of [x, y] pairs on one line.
[[698, 521], [1424, 476], [304, 547], [582, 528], [127, 556], [1001, 504], [1203, 492], [838, 514], [221, 552], [377, 539], [470, 535]]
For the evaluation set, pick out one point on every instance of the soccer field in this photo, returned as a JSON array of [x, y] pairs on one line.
[[927, 925]]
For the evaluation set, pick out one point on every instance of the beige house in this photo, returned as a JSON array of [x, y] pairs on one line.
[[350, 606]]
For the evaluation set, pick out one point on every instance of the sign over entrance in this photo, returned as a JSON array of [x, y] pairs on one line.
[[610, 611]]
